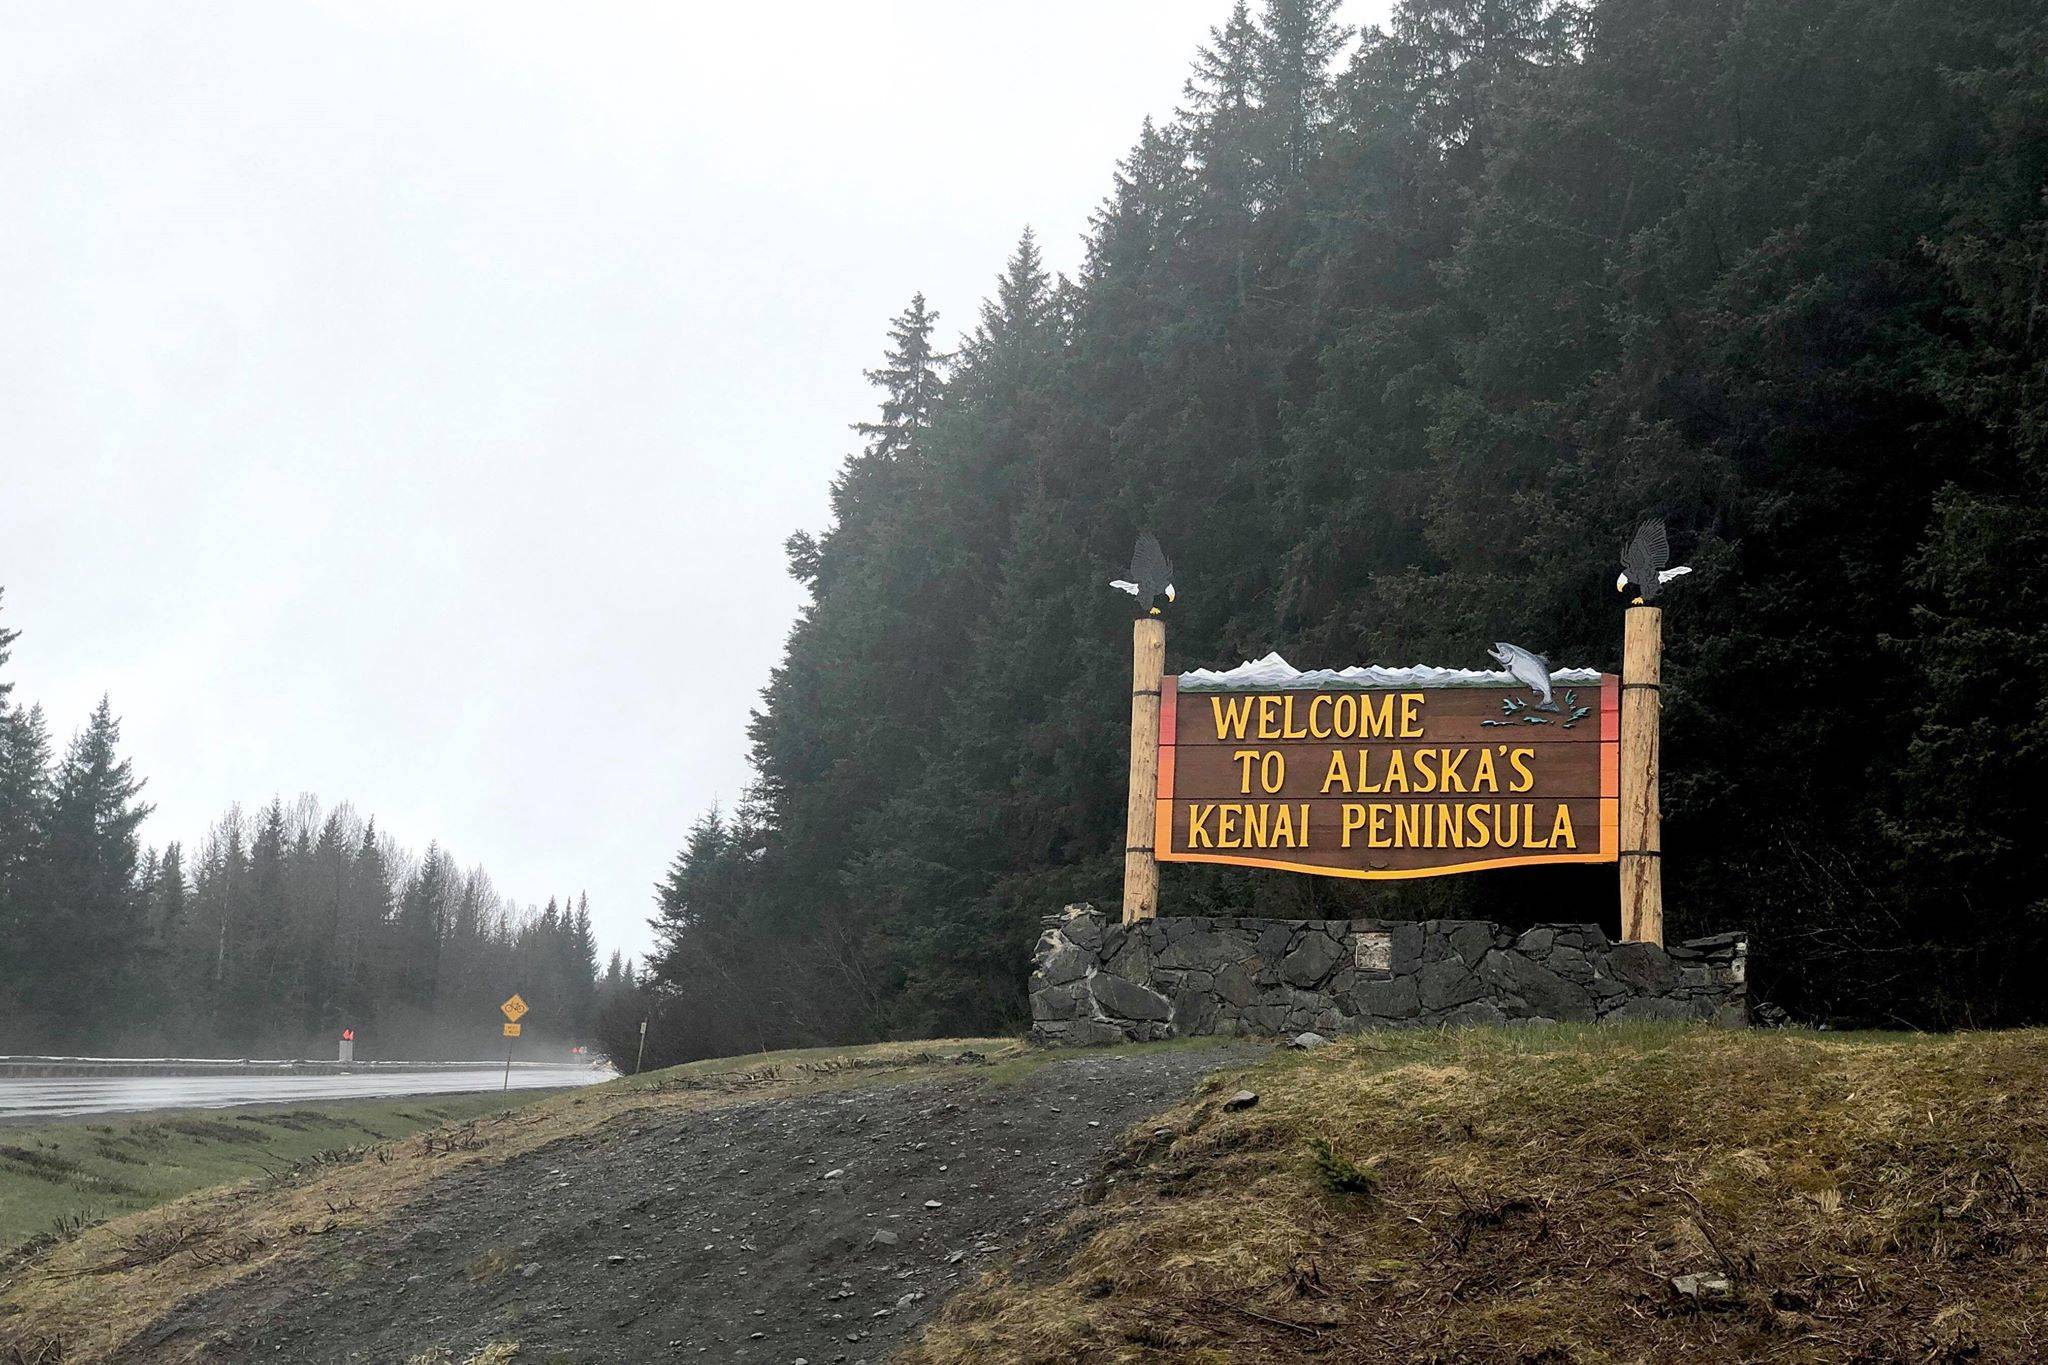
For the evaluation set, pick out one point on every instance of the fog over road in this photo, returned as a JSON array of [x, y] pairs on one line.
[[48, 1097]]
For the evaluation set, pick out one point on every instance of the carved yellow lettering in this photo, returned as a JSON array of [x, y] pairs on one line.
[[1407, 825], [1376, 829], [1288, 729], [1338, 776], [1483, 776], [1231, 715], [1454, 777], [1344, 715], [1199, 835], [1561, 833], [1377, 716], [1269, 717], [1422, 770], [1354, 818], [1524, 777], [1228, 835], [1244, 759], [1321, 699], [1396, 776], [1255, 825], [1411, 715]]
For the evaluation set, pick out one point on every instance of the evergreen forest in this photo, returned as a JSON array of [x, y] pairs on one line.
[[282, 927], [1393, 337]]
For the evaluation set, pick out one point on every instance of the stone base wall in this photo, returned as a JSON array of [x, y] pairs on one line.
[[1099, 981]]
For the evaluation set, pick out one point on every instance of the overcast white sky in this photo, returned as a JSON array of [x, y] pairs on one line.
[[407, 403]]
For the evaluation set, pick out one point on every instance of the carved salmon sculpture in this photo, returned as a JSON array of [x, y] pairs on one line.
[[1530, 670]]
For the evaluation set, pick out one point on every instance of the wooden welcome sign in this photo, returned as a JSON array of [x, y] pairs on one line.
[[1388, 773], [1403, 772]]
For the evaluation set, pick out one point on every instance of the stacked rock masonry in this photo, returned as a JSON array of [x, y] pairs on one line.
[[1099, 981]]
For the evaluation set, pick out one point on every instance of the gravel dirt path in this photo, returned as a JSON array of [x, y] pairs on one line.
[[822, 1227]]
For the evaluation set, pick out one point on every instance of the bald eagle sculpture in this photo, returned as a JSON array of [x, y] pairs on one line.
[[1642, 565], [1151, 576]]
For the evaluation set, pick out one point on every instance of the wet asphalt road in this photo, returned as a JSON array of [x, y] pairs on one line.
[[53, 1097]]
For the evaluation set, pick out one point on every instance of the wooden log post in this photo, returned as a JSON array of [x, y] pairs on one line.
[[1141, 867], [1642, 860]]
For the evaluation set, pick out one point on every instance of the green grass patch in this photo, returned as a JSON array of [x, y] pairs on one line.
[[60, 1176]]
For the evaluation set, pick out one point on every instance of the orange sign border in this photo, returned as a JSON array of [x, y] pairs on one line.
[[1610, 806]]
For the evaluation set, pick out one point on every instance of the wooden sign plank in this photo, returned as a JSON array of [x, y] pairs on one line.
[[1444, 714], [1285, 772], [1385, 782]]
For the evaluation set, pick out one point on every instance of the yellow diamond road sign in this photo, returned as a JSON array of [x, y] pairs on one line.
[[514, 1008]]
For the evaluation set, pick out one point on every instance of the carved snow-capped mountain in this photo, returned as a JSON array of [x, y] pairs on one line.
[[1275, 672]]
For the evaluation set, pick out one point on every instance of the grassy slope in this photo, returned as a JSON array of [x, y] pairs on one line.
[[57, 1176], [79, 1298], [1528, 1195]]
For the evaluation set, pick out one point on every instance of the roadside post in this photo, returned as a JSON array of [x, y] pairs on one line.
[[1642, 857], [513, 1010], [641, 1056], [1141, 864], [348, 1046]]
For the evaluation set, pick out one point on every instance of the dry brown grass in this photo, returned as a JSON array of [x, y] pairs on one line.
[[79, 1301], [497, 1353], [1528, 1195]]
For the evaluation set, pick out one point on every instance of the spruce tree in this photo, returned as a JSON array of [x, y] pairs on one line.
[[1142, 217], [24, 858], [1014, 328], [220, 898], [24, 800], [7, 639], [581, 983], [1007, 369], [417, 930], [326, 892], [260, 952], [911, 384], [172, 968], [172, 893], [1220, 114], [685, 903], [91, 930], [365, 913], [1297, 42]]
